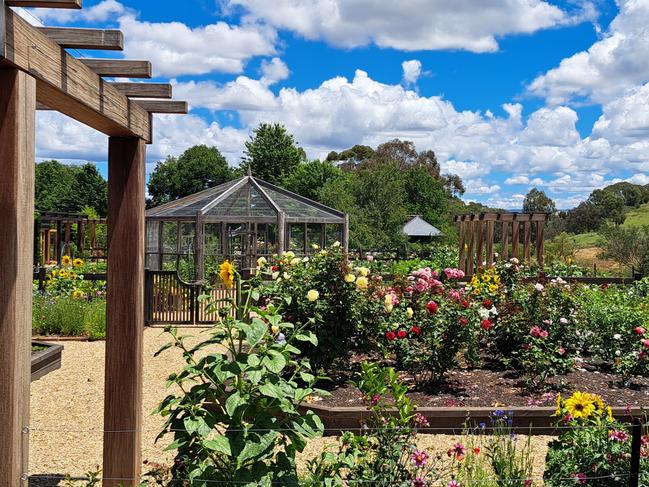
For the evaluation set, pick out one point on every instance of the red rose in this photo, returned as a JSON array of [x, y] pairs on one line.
[[486, 324], [275, 268], [639, 330], [432, 307], [415, 330], [401, 334], [465, 304], [645, 343], [487, 303], [390, 335], [463, 321]]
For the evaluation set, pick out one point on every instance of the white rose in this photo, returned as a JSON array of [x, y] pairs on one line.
[[539, 287], [617, 336], [563, 321], [618, 353]]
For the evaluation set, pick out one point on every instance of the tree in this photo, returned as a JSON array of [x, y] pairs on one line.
[[197, 169], [536, 201], [627, 245], [68, 189], [271, 153], [308, 178]]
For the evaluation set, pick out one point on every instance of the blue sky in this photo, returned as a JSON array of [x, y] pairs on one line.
[[511, 94]]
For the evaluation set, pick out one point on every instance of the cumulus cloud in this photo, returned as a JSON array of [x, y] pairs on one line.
[[274, 70], [411, 71], [104, 11], [609, 67], [472, 25]]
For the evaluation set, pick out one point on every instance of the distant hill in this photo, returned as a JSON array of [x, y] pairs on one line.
[[638, 216]]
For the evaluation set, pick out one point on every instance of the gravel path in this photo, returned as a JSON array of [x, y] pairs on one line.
[[67, 411]]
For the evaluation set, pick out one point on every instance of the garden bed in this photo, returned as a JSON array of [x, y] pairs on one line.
[[46, 358]]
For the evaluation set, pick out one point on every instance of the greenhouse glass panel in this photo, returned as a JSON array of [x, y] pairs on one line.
[[296, 232], [315, 236], [170, 237]]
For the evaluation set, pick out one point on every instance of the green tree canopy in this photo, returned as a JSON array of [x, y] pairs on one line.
[[308, 178], [68, 189], [197, 169], [536, 201], [271, 153]]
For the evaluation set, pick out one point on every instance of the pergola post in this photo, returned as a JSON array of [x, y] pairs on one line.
[[281, 232], [346, 234], [199, 255], [125, 312], [17, 156]]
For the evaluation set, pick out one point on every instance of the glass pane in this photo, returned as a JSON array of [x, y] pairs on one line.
[[170, 236], [272, 239], [212, 234], [314, 236], [152, 234], [334, 234], [187, 238], [296, 243], [246, 201], [169, 262], [152, 261]]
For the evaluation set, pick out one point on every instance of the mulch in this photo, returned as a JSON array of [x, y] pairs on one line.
[[492, 387]]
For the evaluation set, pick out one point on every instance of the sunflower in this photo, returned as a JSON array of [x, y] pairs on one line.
[[66, 260], [78, 263], [582, 405], [78, 294], [486, 278], [226, 273]]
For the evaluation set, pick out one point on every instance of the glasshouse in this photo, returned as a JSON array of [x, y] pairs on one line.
[[240, 220]]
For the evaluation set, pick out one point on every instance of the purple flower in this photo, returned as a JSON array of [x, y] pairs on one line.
[[419, 458]]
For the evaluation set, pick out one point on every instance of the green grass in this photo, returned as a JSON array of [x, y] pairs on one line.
[[638, 216], [586, 240]]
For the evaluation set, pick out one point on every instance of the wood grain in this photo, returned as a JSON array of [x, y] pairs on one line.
[[119, 68], [75, 4], [17, 153], [163, 106], [101, 39], [144, 90], [125, 311]]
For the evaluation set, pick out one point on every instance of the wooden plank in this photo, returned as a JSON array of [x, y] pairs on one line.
[[504, 242], [17, 152], [515, 238], [74, 4], [101, 39], [540, 236], [470, 252], [119, 68], [479, 243], [164, 106], [144, 90], [124, 312], [527, 245], [63, 83], [462, 257], [490, 243]]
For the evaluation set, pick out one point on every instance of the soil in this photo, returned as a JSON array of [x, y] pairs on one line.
[[587, 257], [494, 387]]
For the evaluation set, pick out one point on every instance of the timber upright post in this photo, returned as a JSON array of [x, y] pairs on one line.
[[125, 312], [17, 156]]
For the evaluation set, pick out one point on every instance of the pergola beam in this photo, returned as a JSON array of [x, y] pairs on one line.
[[119, 68], [144, 90], [75, 4], [67, 85], [102, 39], [163, 106]]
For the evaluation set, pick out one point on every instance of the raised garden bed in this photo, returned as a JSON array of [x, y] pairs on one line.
[[475, 393], [46, 357]]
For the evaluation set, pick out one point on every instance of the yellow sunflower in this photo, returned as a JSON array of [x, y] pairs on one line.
[[226, 273], [582, 405], [78, 294], [78, 263], [66, 260], [63, 273]]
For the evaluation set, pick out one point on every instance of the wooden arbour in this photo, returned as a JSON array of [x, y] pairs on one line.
[[36, 71], [477, 234]]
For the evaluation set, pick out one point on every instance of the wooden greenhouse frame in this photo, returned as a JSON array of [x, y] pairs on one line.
[[37, 71]]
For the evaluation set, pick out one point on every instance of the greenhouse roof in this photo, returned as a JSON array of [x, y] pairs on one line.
[[247, 198]]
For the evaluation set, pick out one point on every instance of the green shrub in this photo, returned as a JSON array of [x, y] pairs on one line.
[[67, 316]]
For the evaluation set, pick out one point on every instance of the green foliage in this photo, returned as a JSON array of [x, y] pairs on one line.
[[272, 153], [308, 178], [536, 201], [561, 248], [592, 449], [198, 168], [68, 189], [440, 257], [67, 316], [236, 416], [627, 245], [386, 455]]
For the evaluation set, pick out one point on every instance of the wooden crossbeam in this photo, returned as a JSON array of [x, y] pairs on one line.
[[65, 84], [45, 3], [158, 106], [108, 40], [119, 68], [144, 90]]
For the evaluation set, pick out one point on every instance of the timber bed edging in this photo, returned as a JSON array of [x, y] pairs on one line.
[[45, 361]]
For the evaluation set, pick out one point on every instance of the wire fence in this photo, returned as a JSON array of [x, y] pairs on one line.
[[631, 477]]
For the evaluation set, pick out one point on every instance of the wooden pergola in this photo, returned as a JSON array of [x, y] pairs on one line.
[[37, 71], [478, 232]]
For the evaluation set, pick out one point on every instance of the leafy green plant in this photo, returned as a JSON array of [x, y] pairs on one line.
[[236, 417], [67, 316]]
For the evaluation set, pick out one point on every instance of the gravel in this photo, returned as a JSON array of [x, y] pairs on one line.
[[67, 411]]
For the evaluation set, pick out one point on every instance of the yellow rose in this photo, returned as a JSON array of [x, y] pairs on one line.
[[289, 255], [261, 262], [349, 278], [275, 275], [388, 299], [363, 271], [336, 244], [312, 295], [410, 313], [295, 261], [362, 282], [389, 308], [274, 329]]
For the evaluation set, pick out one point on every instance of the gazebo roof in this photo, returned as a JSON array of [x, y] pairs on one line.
[[418, 227], [245, 198]]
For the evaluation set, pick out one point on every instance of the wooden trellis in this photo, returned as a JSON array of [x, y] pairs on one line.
[[521, 236], [36, 71]]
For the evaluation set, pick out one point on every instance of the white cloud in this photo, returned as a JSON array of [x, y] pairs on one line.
[[626, 120], [472, 25], [517, 180], [274, 70], [609, 67], [411, 71], [552, 127], [243, 94], [104, 11]]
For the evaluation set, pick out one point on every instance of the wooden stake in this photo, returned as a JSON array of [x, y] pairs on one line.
[[17, 153], [490, 243], [504, 251], [462, 259], [479, 244], [516, 226], [470, 253], [125, 312], [527, 229]]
